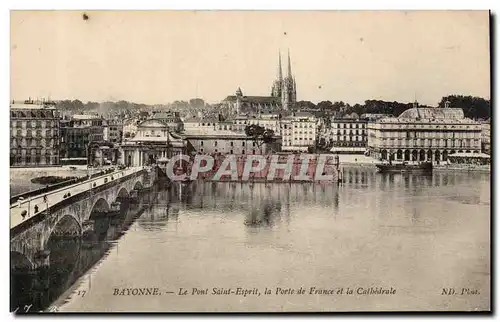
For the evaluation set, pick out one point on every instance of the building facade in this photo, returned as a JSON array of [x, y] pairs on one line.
[[228, 142], [152, 143], [424, 134], [77, 134], [348, 135], [113, 130], [34, 134], [486, 137], [299, 131]]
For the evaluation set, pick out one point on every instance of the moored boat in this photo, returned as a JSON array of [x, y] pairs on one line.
[[425, 167]]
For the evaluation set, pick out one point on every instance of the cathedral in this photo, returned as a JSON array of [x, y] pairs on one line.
[[283, 95], [285, 88]]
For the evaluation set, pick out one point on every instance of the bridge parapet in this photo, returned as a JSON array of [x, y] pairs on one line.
[[71, 215]]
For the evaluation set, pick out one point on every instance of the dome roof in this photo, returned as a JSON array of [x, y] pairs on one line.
[[432, 113]]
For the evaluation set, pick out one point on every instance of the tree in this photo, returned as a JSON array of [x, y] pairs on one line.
[[473, 107], [197, 102], [306, 104], [325, 105], [259, 135]]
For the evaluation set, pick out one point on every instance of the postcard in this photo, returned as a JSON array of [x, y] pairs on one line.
[[250, 161]]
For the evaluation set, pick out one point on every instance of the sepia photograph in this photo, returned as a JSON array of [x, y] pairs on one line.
[[211, 161]]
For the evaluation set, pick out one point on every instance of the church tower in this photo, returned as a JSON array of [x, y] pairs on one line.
[[278, 83], [289, 88]]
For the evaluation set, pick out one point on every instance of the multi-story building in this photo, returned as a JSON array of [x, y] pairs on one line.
[[347, 135], [269, 121], [130, 128], [299, 131], [113, 130], [424, 134], [34, 134], [77, 134], [197, 123], [486, 137], [228, 142]]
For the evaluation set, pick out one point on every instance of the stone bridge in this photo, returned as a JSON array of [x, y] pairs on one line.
[[67, 218]]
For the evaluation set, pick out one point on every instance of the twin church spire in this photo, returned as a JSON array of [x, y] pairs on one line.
[[285, 88]]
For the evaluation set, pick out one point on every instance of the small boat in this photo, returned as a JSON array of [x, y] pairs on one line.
[[425, 167]]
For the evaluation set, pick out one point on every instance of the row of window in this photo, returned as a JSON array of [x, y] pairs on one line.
[[427, 135], [230, 152], [349, 125], [386, 126], [350, 138], [28, 159], [37, 123], [33, 114], [430, 142], [350, 144], [27, 152], [32, 142], [351, 132], [37, 133]]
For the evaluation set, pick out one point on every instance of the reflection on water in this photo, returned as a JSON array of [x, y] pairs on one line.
[[415, 233]]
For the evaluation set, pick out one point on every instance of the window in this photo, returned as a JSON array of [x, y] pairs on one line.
[[231, 152], [243, 144], [201, 143], [253, 151], [28, 157], [215, 144], [47, 159], [243, 152], [231, 144]]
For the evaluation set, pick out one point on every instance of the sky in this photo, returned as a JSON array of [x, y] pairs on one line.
[[156, 57]]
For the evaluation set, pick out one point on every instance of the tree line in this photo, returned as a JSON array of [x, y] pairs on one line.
[[473, 107]]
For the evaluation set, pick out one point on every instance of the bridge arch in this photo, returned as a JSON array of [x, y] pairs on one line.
[[66, 226], [138, 185], [122, 194], [101, 205]]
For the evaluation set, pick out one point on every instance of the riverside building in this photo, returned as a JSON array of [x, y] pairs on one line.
[[424, 134], [34, 134]]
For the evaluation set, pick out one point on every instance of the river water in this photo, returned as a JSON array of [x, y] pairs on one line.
[[408, 234]]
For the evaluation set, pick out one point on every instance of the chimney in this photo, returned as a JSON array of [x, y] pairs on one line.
[[447, 104]]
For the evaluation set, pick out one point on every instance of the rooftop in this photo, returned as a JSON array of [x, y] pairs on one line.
[[432, 113], [20, 106], [84, 117]]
